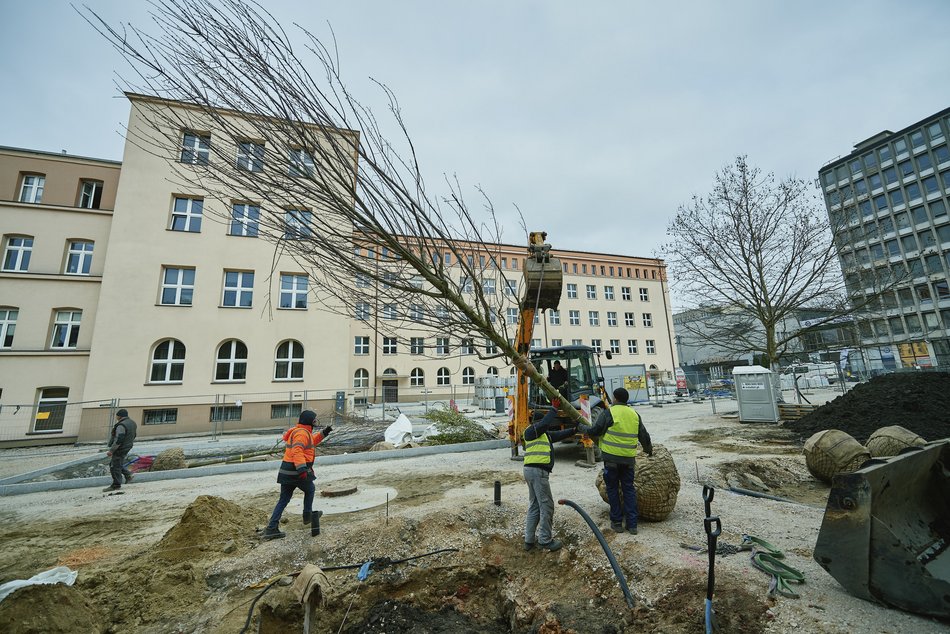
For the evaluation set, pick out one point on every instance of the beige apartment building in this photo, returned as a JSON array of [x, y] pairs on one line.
[[193, 322]]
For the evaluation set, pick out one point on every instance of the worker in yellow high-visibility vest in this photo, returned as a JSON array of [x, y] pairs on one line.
[[621, 433], [538, 462]]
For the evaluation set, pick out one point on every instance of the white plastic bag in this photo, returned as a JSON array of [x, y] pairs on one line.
[[60, 574], [400, 432]]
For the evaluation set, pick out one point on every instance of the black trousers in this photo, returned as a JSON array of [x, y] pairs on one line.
[[117, 467]]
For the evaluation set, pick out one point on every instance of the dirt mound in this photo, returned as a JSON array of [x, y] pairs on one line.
[[210, 525], [169, 459], [918, 401], [49, 609]]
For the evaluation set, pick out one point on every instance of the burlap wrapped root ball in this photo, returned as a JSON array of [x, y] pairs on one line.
[[832, 451], [890, 441], [657, 483], [173, 458]]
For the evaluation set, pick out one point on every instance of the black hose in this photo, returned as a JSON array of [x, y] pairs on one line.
[[607, 551], [756, 494], [250, 611]]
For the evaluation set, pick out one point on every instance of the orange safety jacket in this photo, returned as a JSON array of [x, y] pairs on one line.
[[298, 454]]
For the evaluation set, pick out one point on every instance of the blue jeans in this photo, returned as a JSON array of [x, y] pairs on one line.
[[286, 492], [540, 505], [618, 479]]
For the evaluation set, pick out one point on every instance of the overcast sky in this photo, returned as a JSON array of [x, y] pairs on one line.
[[597, 119]]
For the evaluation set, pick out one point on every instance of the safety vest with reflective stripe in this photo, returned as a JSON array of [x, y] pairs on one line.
[[620, 439], [298, 453], [537, 451]]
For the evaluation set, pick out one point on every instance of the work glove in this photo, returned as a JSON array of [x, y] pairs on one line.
[[303, 474], [326, 431]]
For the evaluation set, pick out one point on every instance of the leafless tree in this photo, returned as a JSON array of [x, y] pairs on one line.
[[753, 256], [353, 207]]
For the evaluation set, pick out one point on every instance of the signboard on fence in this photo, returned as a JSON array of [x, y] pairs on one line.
[[635, 382], [680, 379]]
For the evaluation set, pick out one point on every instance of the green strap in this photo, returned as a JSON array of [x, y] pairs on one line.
[[766, 558]]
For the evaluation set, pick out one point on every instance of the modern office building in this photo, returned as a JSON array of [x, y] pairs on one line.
[[887, 202], [130, 285]]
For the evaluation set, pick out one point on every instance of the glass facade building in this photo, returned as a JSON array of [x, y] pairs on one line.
[[888, 203]]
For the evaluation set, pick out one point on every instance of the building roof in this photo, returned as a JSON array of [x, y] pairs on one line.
[[63, 154]]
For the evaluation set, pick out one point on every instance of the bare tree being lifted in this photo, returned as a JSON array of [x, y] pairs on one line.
[[753, 255], [352, 208]]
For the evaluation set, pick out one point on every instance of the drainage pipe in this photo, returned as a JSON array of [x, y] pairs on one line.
[[603, 543]]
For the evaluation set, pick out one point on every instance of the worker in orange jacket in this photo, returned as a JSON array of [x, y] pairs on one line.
[[296, 470]]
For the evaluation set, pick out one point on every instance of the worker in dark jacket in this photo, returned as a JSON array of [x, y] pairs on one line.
[[120, 444], [621, 433], [538, 462], [296, 469]]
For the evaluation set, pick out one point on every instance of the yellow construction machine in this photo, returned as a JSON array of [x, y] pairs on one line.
[[543, 280]]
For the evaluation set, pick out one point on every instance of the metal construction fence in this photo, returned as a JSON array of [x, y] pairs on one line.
[[64, 422]]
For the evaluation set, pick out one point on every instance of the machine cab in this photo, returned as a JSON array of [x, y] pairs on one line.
[[581, 371]]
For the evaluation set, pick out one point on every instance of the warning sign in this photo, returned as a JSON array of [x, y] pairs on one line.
[[752, 386], [635, 382]]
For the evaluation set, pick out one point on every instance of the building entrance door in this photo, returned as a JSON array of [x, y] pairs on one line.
[[390, 390]]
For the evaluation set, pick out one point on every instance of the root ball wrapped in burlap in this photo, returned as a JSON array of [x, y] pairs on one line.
[[832, 451], [173, 458], [889, 441], [657, 483]]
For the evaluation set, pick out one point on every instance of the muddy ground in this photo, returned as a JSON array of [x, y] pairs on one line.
[[185, 556]]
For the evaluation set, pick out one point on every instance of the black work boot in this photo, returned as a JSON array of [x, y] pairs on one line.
[[128, 477], [111, 487], [306, 517], [273, 533]]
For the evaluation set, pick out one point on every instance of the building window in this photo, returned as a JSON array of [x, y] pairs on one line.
[[390, 312], [168, 362], [16, 256], [442, 346], [288, 364], [615, 346], [65, 329], [468, 376], [417, 378], [490, 347], [297, 223], [511, 287], [51, 409], [167, 416], [231, 361], [557, 343], [186, 214], [512, 314], [644, 295], [362, 311], [361, 345], [417, 345], [488, 286], [647, 320], [250, 156], [609, 292], [632, 346], [245, 220], [361, 378], [195, 148], [301, 163], [7, 326], [593, 317], [535, 343], [285, 410], [651, 346], [611, 318], [574, 317], [79, 258], [467, 346], [293, 291], [443, 377], [629, 319], [31, 188], [415, 312], [223, 413], [595, 344], [389, 345], [591, 291], [238, 289], [572, 291], [554, 317], [90, 194], [942, 154], [178, 286]]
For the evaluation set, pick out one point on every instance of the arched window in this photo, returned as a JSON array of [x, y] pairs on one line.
[[468, 376], [231, 361], [653, 366], [288, 365], [168, 362], [361, 378], [443, 377], [389, 372], [492, 371], [417, 378]]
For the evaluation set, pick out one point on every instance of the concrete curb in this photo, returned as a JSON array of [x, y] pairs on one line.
[[20, 477], [246, 467]]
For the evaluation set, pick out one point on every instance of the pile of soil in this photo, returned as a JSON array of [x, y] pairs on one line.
[[918, 401], [50, 609]]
